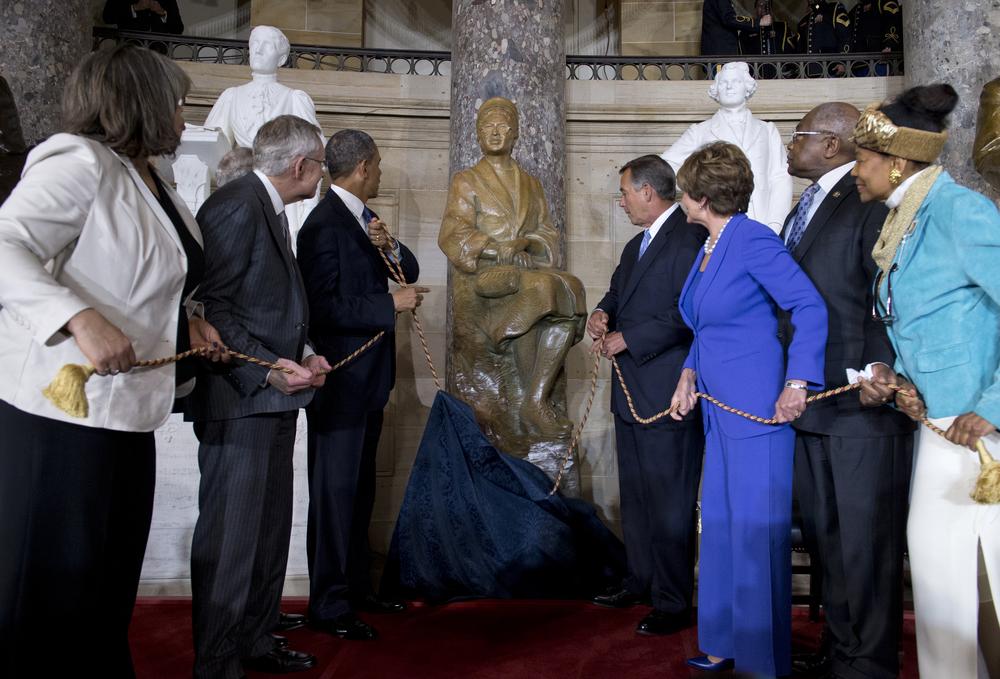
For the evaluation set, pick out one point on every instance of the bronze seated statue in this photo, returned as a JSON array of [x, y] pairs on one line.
[[515, 314], [986, 150]]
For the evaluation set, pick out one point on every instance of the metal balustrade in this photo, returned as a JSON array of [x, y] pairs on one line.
[[415, 62]]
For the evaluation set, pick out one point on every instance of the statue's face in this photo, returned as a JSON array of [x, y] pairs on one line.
[[265, 55], [732, 88], [497, 133]]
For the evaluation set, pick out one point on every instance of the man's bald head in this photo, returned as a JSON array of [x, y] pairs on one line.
[[838, 117], [823, 140]]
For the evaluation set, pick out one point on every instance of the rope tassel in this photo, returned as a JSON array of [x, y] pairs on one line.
[[68, 389]]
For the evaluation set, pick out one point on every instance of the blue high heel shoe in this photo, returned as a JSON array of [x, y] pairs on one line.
[[702, 663]]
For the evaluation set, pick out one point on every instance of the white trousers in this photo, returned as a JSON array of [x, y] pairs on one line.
[[944, 533]]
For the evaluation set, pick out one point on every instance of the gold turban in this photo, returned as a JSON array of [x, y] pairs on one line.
[[876, 132]]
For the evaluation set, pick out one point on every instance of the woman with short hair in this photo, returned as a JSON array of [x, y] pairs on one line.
[[938, 293], [729, 300], [99, 263]]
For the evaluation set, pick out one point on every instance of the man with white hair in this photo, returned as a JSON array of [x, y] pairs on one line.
[[759, 140], [245, 414]]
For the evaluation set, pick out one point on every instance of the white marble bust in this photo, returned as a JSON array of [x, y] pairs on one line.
[[760, 141], [240, 111]]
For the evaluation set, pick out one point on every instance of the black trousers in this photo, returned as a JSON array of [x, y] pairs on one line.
[[659, 468], [342, 449], [240, 546], [75, 508], [853, 494]]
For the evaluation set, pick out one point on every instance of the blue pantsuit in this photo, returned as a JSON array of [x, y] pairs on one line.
[[744, 590], [745, 598]]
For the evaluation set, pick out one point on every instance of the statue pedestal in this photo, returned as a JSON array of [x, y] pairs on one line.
[[548, 456], [193, 170]]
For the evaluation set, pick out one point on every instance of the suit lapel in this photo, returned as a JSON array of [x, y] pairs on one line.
[[826, 208], [153, 204], [347, 220], [788, 222], [652, 252], [715, 261], [273, 223]]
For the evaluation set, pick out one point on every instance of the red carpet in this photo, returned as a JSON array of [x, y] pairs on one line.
[[475, 640]]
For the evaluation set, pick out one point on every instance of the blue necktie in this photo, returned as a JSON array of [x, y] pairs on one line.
[[366, 216], [799, 223], [645, 243]]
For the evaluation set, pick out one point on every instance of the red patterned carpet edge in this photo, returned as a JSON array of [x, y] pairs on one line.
[[485, 639]]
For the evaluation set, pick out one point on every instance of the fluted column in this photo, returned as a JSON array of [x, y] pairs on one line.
[[954, 42], [42, 41]]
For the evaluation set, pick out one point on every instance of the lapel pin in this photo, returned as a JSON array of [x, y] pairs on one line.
[[836, 194]]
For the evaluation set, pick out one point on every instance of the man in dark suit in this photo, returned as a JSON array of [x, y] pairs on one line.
[[659, 464], [152, 16], [721, 23], [245, 414], [346, 282], [852, 464]]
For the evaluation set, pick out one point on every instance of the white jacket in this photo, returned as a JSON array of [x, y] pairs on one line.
[[81, 230]]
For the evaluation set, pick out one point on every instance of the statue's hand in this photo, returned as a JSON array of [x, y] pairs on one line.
[[523, 260], [508, 248]]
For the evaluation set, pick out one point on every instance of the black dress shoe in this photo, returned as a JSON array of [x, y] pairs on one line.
[[660, 622], [372, 604], [281, 661], [289, 621], [280, 640], [347, 626], [812, 665], [621, 598]]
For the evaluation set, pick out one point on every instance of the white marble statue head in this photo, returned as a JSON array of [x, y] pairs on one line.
[[733, 85], [268, 49]]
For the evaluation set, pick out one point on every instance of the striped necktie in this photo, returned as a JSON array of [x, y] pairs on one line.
[[645, 243]]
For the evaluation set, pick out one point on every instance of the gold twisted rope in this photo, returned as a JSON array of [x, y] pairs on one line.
[[578, 432], [396, 269], [663, 413], [984, 455]]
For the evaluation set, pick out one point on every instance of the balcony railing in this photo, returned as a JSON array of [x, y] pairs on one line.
[[414, 62]]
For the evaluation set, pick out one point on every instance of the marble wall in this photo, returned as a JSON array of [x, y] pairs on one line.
[[608, 123], [313, 22]]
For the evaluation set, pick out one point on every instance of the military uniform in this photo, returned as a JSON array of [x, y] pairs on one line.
[[825, 29], [721, 21], [876, 25], [757, 41], [754, 42]]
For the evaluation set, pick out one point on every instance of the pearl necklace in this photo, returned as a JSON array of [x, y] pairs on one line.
[[711, 248]]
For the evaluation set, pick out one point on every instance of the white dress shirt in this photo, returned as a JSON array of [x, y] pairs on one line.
[[826, 184]]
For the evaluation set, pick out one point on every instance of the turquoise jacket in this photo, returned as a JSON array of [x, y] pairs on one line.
[[946, 302]]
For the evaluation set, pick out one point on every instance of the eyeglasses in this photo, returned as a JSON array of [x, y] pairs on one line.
[[321, 162], [811, 133], [888, 317], [502, 128]]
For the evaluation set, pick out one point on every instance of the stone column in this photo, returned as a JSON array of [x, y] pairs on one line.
[[954, 42], [512, 49], [37, 55]]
